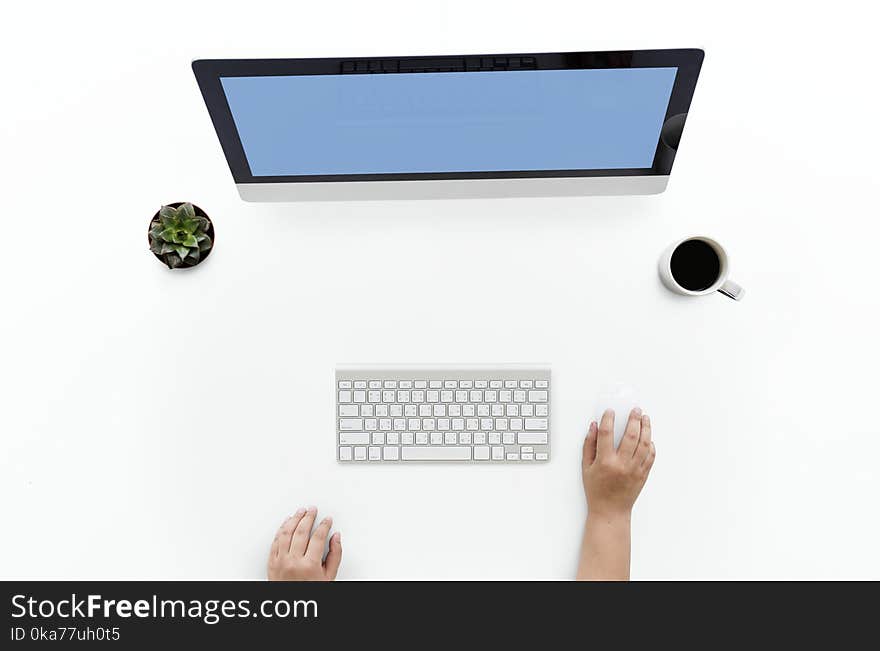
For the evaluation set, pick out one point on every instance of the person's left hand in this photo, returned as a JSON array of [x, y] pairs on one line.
[[297, 553]]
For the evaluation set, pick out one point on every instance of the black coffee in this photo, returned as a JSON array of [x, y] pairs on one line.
[[695, 265]]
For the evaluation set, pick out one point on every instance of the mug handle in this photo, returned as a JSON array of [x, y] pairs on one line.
[[732, 290]]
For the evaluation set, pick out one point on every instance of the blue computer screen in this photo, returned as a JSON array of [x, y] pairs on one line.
[[450, 121]]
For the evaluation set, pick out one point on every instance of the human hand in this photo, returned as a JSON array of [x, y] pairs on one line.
[[297, 553], [613, 478]]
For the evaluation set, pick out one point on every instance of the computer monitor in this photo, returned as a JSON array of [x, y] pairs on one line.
[[496, 125]]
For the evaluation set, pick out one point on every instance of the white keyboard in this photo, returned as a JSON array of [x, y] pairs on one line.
[[464, 416]]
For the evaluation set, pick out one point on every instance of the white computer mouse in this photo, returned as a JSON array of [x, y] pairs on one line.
[[621, 398]]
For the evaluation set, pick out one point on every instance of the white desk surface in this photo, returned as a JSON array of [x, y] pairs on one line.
[[160, 425]]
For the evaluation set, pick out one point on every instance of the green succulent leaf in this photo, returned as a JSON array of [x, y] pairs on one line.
[[156, 246], [190, 241], [205, 243], [194, 256], [204, 224], [186, 211], [167, 212], [172, 261], [167, 247]]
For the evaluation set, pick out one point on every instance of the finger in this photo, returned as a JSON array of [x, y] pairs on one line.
[[315, 550], [605, 442], [334, 556], [590, 444], [648, 463], [281, 544], [630, 442], [646, 444], [300, 540]]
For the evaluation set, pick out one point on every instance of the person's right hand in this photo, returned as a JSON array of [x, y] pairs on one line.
[[297, 553], [613, 478]]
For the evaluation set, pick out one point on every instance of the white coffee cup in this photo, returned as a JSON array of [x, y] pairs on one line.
[[722, 284]]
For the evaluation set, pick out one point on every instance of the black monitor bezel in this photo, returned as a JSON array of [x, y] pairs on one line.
[[208, 73]]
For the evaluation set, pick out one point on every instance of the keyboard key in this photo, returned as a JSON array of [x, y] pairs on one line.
[[466, 384], [407, 438], [541, 456], [384, 424], [359, 438], [461, 396], [360, 454], [494, 438], [375, 384], [360, 396], [366, 410], [393, 438], [495, 384], [348, 410], [410, 411], [481, 453], [504, 396], [512, 456], [373, 453], [421, 438], [370, 424], [510, 384], [374, 396], [345, 453], [399, 424], [396, 410], [464, 438], [344, 384], [526, 448], [381, 410], [525, 384], [535, 423], [351, 424], [516, 424], [481, 384], [435, 384], [509, 438], [468, 410], [420, 384], [391, 454], [388, 396], [537, 396], [360, 384], [414, 424], [541, 410], [436, 438], [527, 456], [497, 453], [450, 384], [345, 396], [449, 438], [479, 438], [541, 384], [531, 438], [405, 384], [519, 396], [446, 453], [527, 410], [378, 438], [390, 384]]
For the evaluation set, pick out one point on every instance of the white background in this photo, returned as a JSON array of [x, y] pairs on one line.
[[161, 425]]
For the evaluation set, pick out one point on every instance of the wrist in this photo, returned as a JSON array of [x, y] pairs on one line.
[[610, 516]]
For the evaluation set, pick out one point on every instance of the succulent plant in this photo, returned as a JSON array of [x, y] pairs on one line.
[[179, 237]]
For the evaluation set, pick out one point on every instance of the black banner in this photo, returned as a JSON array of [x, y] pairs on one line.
[[144, 614]]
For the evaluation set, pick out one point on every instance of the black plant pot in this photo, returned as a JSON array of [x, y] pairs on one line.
[[186, 264]]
